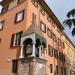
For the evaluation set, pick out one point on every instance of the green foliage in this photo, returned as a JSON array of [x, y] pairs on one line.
[[70, 22], [71, 13]]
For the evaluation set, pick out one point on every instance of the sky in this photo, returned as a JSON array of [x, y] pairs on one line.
[[60, 9]]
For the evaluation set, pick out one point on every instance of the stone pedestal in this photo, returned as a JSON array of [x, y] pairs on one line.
[[31, 66]]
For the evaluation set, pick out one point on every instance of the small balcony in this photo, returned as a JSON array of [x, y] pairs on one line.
[[33, 45]]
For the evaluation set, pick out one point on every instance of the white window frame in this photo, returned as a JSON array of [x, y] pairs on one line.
[[43, 27], [19, 16]]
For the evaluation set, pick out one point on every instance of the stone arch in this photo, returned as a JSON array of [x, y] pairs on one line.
[[27, 47]]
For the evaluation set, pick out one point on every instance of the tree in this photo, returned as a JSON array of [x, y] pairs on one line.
[[70, 21]]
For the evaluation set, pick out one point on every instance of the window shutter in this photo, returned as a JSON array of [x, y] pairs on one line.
[[14, 66], [12, 40], [19, 40], [52, 51]]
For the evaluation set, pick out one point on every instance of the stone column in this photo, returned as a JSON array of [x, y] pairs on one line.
[[21, 53], [33, 52]]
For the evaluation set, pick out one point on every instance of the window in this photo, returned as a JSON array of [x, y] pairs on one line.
[[35, 2], [16, 39], [51, 68], [4, 9], [59, 31], [42, 11], [62, 70], [53, 24], [20, 1], [43, 27], [59, 41], [50, 50], [0, 40], [19, 16], [54, 37], [49, 18], [63, 45], [49, 33], [55, 53], [39, 6], [61, 56], [57, 69], [14, 66], [1, 25]]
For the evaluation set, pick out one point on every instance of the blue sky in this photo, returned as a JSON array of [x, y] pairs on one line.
[[60, 9]]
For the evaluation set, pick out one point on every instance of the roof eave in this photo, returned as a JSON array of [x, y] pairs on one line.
[[51, 14]]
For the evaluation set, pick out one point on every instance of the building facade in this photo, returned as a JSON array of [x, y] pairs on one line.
[[69, 53], [31, 41]]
